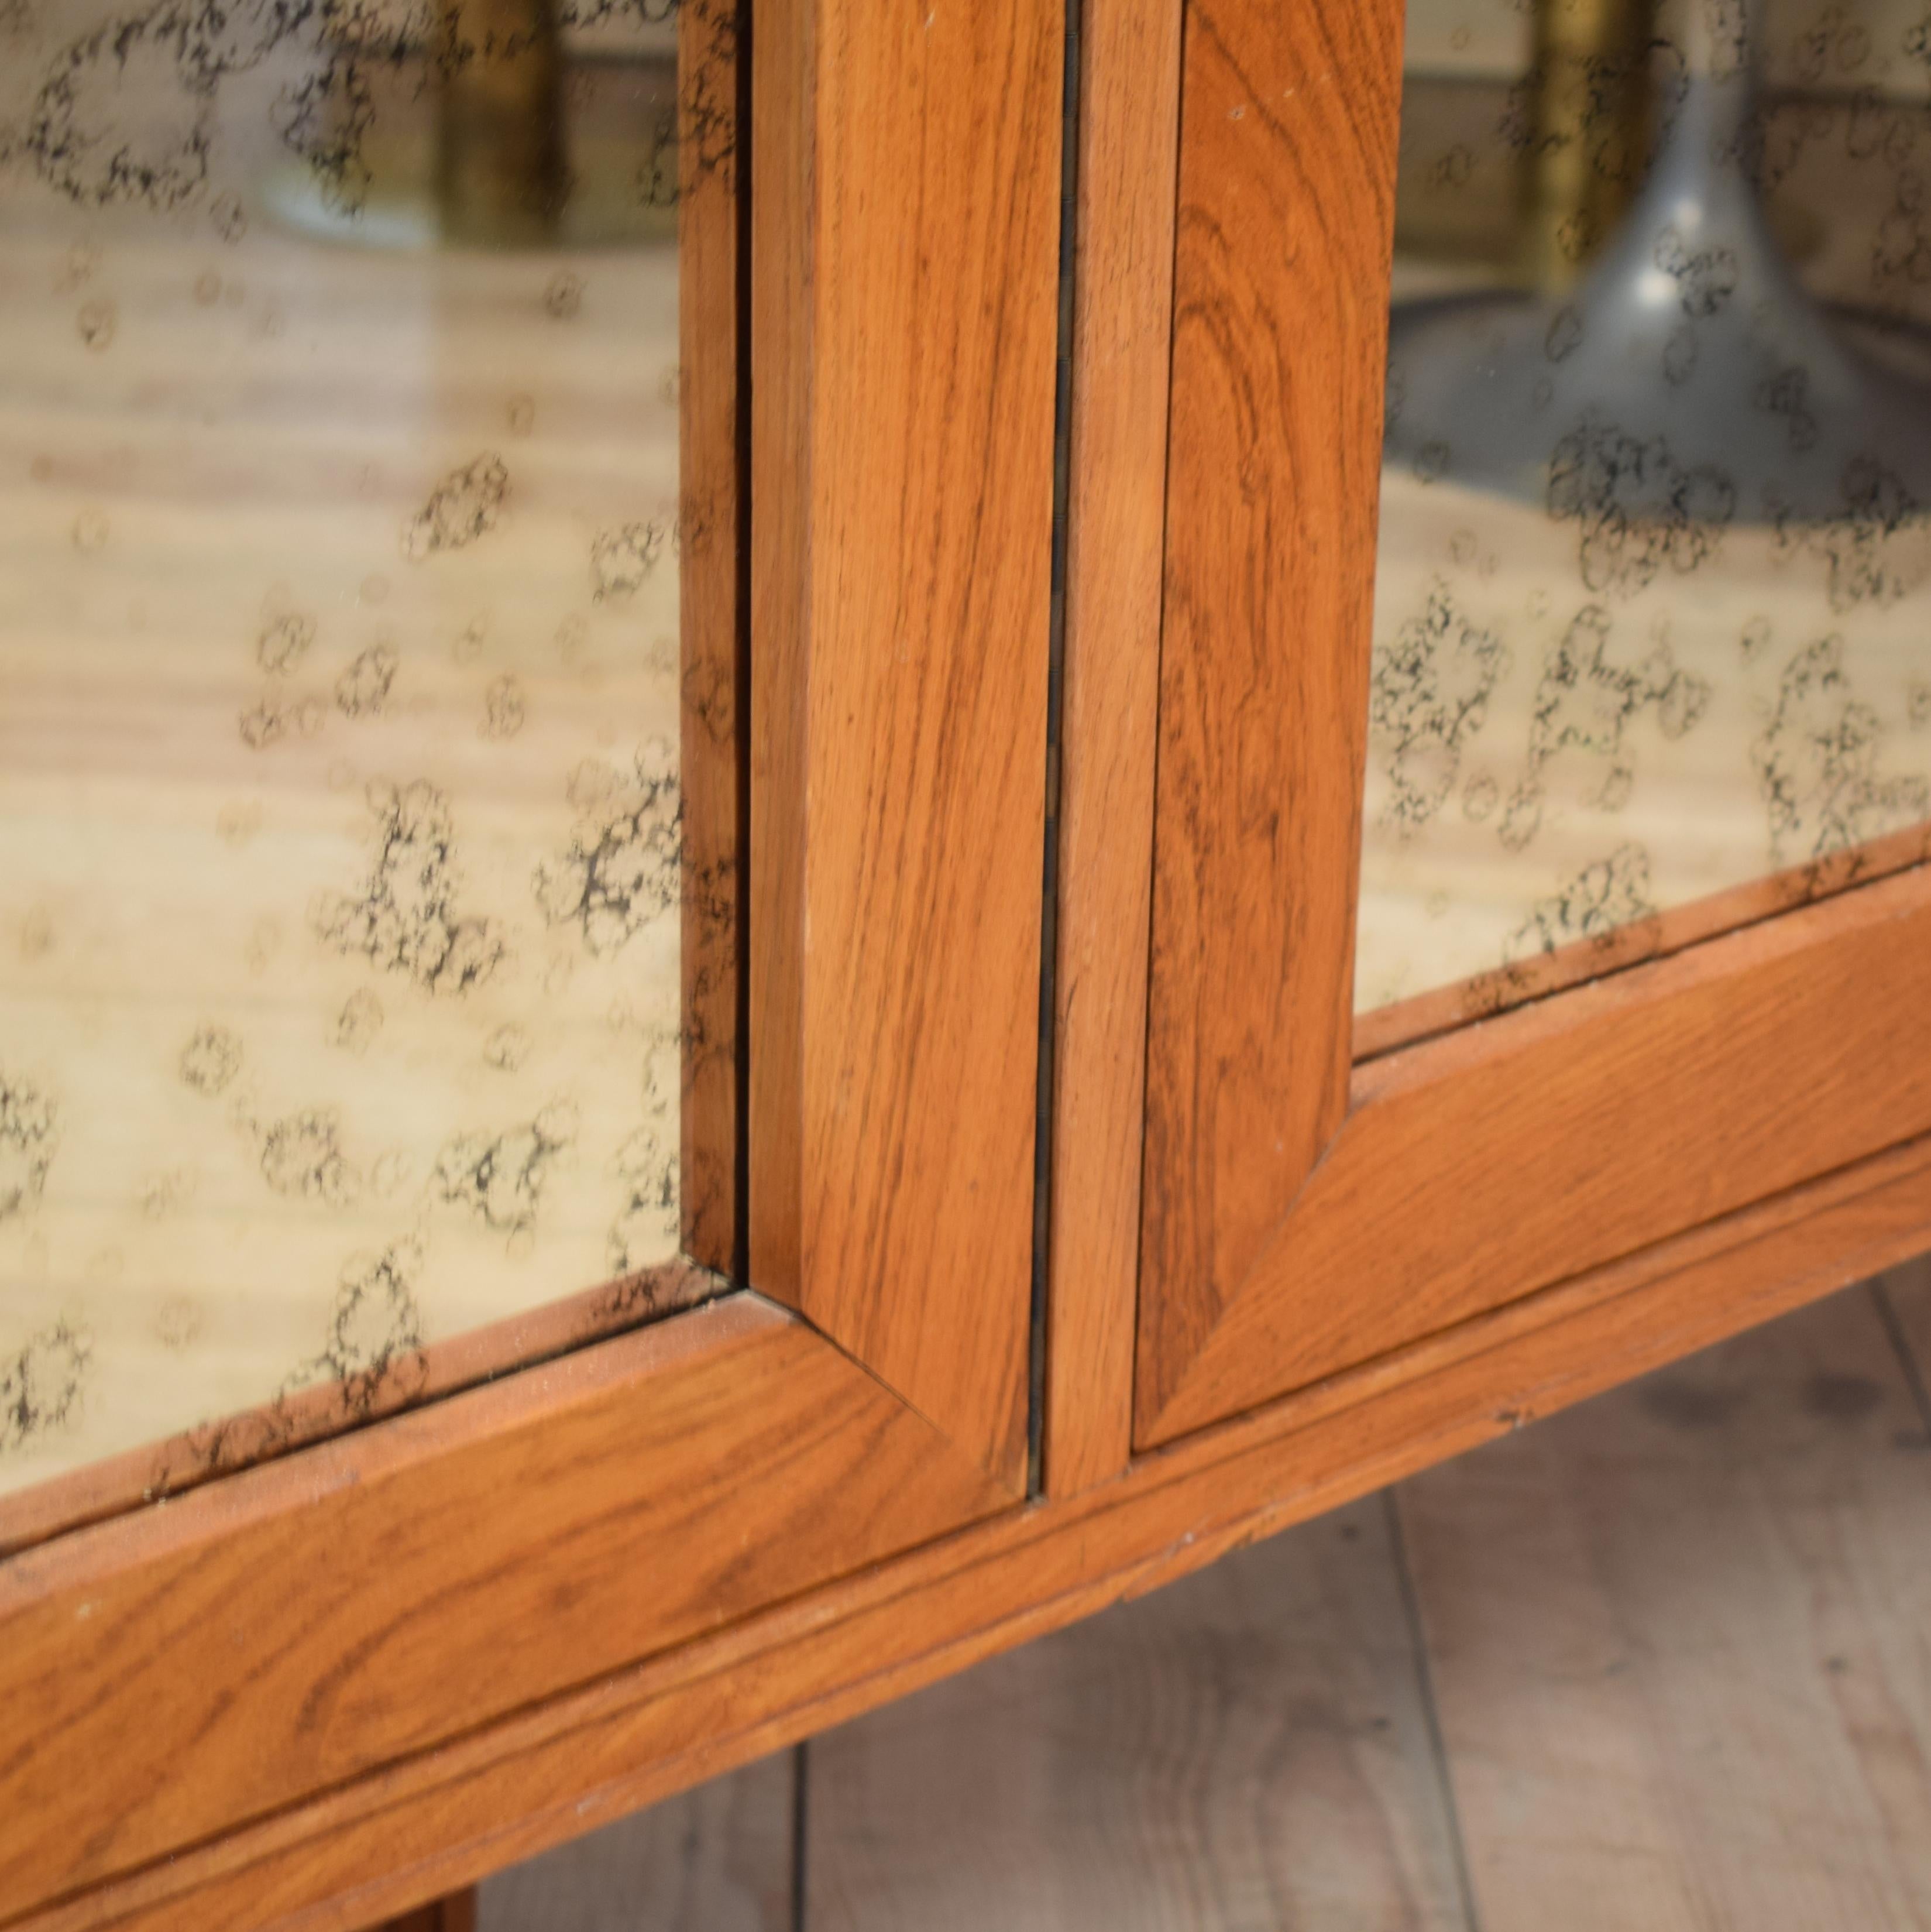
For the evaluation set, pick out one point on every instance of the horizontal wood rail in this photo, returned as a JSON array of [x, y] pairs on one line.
[[1484, 1165], [414, 1829], [171, 1673]]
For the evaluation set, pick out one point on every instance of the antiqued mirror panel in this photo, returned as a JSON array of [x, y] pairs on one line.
[[342, 760], [1652, 649]]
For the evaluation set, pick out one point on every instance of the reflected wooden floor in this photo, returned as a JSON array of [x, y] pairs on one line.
[[339, 932], [1661, 1662]]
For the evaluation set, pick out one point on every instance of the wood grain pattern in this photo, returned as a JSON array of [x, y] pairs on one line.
[[712, 620], [1122, 307], [1285, 230], [716, 1859], [1507, 1156], [1674, 929], [169, 1675], [1250, 1747], [115, 1484], [782, 467], [905, 280], [1677, 1640], [420, 1827]]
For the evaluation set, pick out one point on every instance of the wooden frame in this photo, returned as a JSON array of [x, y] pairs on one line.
[[175, 1673], [324, 1689], [715, 525], [432, 1821], [1122, 303], [902, 434], [1299, 1218], [173, 1676]]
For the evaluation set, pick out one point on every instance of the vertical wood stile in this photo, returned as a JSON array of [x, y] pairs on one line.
[[904, 292], [1123, 312], [1285, 233]]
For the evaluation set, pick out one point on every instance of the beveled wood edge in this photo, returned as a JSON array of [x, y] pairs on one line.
[[118, 1484], [144, 1574], [545, 1775], [712, 627], [1414, 1089], [1386, 1030], [1122, 328], [905, 220], [710, 716], [1284, 244], [783, 77]]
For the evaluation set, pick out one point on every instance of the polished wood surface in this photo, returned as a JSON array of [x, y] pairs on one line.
[[1280, 312], [424, 1826], [261, 1645], [1652, 1663], [1513, 1153], [1299, 1218], [115, 1485], [170, 1674], [1404, 1022], [370, 1673], [1123, 318], [1657, 1663], [904, 280]]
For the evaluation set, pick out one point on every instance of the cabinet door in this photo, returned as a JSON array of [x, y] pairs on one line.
[[521, 746], [1535, 877]]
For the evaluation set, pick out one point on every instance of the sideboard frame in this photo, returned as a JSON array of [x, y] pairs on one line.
[[324, 1593]]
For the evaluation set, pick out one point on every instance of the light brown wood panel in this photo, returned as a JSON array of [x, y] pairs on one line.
[[1491, 1162], [1249, 1748], [1677, 1642], [115, 1484], [1404, 1022], [1123, 311], [167, 1676], [716, 1859], [415, 1829], [1280, 316], [712, 618], [782, 467], [905, 284]]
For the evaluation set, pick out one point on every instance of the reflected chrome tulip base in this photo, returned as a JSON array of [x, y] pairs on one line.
[[1689, 369]]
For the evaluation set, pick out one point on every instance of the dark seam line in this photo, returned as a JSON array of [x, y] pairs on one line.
[[1900, 1343], [801, 1775], [741, 1072], [1438, 1746], [1049, 907]]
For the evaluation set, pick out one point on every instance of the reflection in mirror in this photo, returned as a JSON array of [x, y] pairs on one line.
[[1651, 612], [341, 815]]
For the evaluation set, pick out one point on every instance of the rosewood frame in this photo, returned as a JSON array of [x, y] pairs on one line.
[[702, 1534], [431, 1821], [1305, 1212], [182, 1675]]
